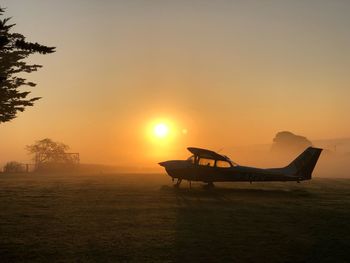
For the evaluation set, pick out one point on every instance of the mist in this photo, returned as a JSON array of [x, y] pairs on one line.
[[330, 164]]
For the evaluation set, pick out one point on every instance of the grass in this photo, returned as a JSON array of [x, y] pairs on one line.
[[141, 218]]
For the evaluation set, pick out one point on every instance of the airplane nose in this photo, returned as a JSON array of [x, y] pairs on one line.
[[162, 164]]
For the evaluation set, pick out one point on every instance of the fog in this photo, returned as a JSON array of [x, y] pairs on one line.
[[231, 74], [331, 164]]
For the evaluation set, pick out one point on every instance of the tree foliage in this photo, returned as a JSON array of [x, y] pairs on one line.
[[13, 50], [287, 141]]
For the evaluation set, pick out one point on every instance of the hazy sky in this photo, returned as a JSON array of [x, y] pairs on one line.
[[229, 72]]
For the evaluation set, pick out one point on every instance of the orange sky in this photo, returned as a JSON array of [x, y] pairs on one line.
[[230, 72]]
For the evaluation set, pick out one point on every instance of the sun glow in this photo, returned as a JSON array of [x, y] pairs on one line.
[[161, 130], [164, 138]]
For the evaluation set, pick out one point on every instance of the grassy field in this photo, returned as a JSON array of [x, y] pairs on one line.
[[141, 218]]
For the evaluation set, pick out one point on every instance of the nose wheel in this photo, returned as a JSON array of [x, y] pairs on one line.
[[177, 185]]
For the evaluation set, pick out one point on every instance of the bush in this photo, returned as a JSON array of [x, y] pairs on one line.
[[14, 167]]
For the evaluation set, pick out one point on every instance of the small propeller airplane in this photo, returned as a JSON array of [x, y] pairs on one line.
[[208, 166]]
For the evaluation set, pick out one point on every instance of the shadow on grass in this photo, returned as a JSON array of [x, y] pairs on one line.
[[254, 192]]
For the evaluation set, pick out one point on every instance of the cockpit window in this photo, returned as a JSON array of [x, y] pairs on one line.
[[206, 162], [223, 164], [191, 159]]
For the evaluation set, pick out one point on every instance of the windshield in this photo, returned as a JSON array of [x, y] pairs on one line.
[[232, 162], [191, 159]]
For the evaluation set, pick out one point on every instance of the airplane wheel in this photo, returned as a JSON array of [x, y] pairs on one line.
[[177, 185], [209, 185]]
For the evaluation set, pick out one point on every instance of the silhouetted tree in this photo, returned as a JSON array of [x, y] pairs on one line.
[[13, 50], [287, 141], [47, 152]]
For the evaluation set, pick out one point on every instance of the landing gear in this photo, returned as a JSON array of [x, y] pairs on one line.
[[209, 185], [177, 185]]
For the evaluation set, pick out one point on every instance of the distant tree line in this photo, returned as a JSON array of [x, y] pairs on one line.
[[47, 155]]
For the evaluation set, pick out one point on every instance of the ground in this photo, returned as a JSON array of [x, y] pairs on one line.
[[142, 218]]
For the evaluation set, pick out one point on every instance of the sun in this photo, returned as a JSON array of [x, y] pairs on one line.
[[161, 130]]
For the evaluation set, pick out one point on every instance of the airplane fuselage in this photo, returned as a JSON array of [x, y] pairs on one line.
[[183, 169]]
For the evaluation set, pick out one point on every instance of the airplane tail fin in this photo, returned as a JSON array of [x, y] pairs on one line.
[[305, 163]]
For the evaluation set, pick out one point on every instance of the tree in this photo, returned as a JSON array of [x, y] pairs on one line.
[[47, 152], [286, 141], [13, 50]]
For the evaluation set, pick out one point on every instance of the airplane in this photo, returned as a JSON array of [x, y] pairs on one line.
[[208, 166]]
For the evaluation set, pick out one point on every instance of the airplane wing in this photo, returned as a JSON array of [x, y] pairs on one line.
[[206, 153]]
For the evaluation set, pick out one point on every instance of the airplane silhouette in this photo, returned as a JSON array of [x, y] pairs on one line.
[[209, 167]]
